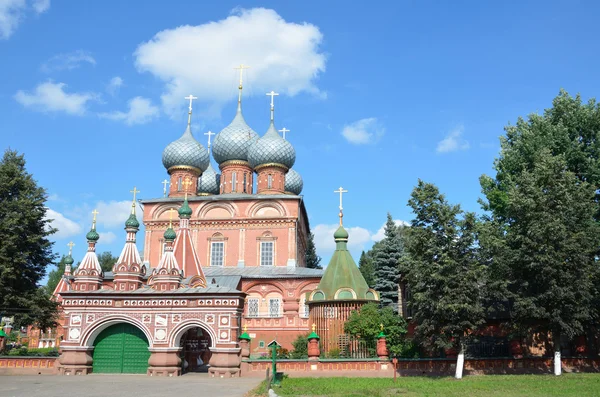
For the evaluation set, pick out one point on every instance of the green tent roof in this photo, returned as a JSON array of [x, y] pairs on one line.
[[342, 273]]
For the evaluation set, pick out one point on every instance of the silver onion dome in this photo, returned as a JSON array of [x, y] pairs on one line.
[[186, 151], [233, 141], [208, 183], [293, 182], [271, 148]]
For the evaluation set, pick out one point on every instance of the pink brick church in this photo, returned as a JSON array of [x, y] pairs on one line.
[[221, 251]]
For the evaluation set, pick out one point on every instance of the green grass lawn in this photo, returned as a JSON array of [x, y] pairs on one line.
[[470, 386]]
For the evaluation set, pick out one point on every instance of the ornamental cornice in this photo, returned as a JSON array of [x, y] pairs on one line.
[[174, 168], [227, 224], [240, 163], [271, 165]]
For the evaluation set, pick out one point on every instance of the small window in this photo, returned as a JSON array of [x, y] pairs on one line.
[[266, 253], [274, 306], [179, 184], [304, 309], [245, 182], [217, 249], [269, 181], [233, 181], [261, 344], [252, 307]]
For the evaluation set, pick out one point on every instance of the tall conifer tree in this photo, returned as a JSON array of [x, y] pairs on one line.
[[367, 268], [25, 250], [445, 276], [312, 259], [387, 264]]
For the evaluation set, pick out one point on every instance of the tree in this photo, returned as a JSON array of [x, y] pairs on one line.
[[55, 275], [312, 259], [387, 264], [445, 276], [367, 268], [367, 322], [551, 239], [567, 134], [107, 261], [25, 250]]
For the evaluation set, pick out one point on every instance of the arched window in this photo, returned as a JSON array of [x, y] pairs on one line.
[[233, 181], [269, 181], [179, 184]]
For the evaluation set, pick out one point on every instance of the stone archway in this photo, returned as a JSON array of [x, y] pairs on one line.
[[121, 348], [195, 344]]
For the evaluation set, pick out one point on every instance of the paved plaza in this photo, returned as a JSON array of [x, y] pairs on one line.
[[124, 385]]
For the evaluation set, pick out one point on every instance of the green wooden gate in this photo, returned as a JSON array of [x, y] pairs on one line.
[[121, 348]]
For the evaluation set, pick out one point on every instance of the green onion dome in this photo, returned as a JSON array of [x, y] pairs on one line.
[[132, 222], [92, 235], [69, 260], [185, 211], [340, 234], [170, 234]]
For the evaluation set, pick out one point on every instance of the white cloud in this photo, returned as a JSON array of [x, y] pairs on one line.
[[113, 213], [12, 13], [141, 111], [325, 244], [453, 142], [381, 232], [69, 61], [51, 97], [41, 6], [65, 226], [283, 56], [106, 237], [114, 85], [363, 131]]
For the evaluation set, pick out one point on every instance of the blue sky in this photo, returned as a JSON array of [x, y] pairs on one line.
[[376, 95]]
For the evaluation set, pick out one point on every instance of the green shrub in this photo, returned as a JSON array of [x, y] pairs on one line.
[[41, 352], [300, 347]]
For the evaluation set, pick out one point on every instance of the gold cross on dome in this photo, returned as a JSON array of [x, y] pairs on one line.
[[241, 69], [187, 183], [314, 327], [95, 212], [170, 211], [134, 191], [245, 327], [284, 130], [381, 326], [71, 245]]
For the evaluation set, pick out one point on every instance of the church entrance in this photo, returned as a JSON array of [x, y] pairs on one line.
[[121, 349], [195, 343]]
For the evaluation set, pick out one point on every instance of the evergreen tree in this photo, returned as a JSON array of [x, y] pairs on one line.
[[25, 250], [567, 134], [55, 275], [387, 264], [107, 261], [551, 244], [312, 259], [367, 268], [445, 276]]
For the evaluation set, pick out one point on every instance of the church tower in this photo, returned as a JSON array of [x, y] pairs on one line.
[[88, 276], [167, 276], [230, 150], [271, 157], [185, 159], [128, 271], [185, 251]]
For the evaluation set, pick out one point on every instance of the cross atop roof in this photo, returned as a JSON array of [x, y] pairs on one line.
[[284, 130]]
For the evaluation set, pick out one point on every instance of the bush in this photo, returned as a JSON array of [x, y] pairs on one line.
[[300, 347], [41, 352]]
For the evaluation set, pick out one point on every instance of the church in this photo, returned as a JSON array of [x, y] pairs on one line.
[[223, 260], [222, 250]]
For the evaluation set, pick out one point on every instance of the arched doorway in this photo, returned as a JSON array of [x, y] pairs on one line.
[[195, 350], [121, 349]]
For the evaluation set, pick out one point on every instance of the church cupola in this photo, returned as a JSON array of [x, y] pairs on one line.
[[230, 151], [185, 250], [184, 159], [208, 183], [88, 276], [128, 271], [168, 275], [293, 182], [271, 157]]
